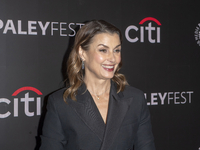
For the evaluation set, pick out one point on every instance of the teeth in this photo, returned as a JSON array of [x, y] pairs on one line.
[[109, 67]]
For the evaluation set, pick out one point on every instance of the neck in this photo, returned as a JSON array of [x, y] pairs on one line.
[[97, 86]]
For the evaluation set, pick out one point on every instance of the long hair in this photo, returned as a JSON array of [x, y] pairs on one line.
[[84, 38]]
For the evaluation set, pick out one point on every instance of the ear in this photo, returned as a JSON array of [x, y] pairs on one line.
[[81, 53]]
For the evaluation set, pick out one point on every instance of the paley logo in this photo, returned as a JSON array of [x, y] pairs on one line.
[[38, 27], [150, 29], [197, 34], [167, 98], [26, 100]]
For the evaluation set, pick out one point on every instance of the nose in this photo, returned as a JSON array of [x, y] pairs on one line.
[[111, 57]]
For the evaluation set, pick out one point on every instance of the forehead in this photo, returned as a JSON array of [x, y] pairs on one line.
[[106, 38]]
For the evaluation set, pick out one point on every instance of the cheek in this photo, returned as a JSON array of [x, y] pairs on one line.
[[118, 59], [99, 58]]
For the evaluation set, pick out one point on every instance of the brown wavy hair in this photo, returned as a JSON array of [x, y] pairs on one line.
[[84, 38]]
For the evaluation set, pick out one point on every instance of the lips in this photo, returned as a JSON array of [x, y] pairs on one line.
[[108, 67]]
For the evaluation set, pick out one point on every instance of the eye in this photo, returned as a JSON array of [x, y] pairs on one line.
[[117, 50], [103, 50]]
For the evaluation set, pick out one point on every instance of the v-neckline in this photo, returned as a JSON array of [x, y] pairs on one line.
[[99, 113]]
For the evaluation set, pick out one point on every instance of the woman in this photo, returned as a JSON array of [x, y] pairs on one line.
[[99, 111]]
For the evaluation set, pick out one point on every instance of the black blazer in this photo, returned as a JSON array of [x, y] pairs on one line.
[[78, 125]]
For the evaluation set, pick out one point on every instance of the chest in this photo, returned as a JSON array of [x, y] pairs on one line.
[[103, 109], [102, 105]]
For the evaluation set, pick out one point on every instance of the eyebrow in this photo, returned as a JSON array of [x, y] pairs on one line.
[[107, 46]]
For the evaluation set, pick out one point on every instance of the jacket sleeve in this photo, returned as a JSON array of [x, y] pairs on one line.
[[53, 135], [144, 138]]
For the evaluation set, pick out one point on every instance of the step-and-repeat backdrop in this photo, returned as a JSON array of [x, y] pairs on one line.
[[161, 56]]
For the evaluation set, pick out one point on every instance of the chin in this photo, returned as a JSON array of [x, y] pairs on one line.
[[108, 76]]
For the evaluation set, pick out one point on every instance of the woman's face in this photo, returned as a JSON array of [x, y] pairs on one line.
[[103, 56]]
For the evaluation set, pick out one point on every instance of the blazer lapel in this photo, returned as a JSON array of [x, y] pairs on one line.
[[88, 112], [116, 113]]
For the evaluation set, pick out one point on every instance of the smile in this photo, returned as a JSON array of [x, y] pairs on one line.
[[109, 67]]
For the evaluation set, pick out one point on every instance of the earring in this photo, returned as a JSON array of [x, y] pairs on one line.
[[83, 65]]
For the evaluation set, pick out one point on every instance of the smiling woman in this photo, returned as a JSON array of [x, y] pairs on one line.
[[102, 58], [100, 111], [94, 43]]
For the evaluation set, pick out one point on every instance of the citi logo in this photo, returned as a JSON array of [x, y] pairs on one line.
[[27, 101], [152, 32]]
